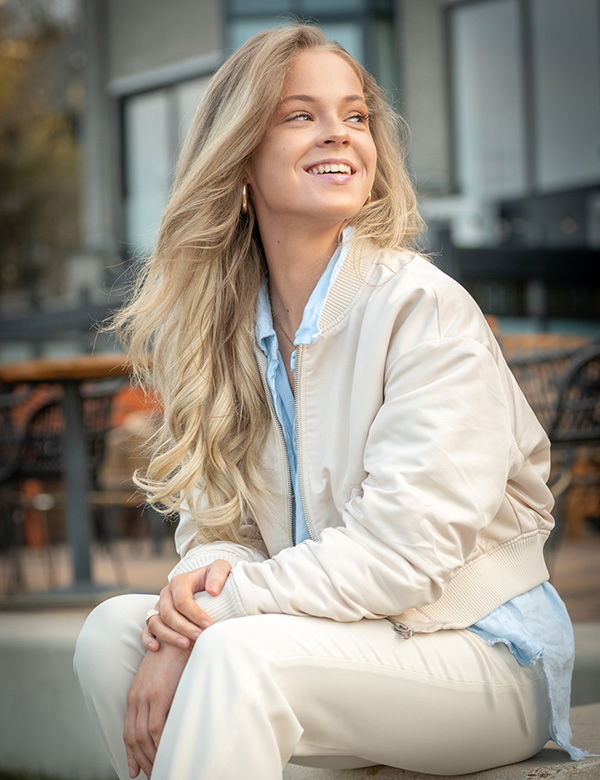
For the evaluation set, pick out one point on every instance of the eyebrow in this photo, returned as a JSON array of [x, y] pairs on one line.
[[311, 99]]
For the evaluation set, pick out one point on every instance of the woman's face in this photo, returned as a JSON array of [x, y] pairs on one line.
[[316, 161]]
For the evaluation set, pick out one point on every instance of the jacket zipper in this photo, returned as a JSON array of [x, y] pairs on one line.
[[263, 379], [404, 631], [300, 353]]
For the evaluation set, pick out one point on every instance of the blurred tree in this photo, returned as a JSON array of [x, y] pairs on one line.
[[39, 154]]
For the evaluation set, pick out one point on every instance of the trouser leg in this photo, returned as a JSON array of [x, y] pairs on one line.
[[260, 691], [107, 656]]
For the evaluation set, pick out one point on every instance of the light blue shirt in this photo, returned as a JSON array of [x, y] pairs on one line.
[[281, 392], [534, 626]]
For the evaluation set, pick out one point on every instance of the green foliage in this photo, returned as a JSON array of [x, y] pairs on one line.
[[39, 163]]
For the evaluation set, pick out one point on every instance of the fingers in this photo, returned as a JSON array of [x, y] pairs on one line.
[[148, 703], [158, 631], [181, 621], [179, 598], [171, 627], [139, 746], [149, 641], [144, 724], [134, 767], [216, 576]]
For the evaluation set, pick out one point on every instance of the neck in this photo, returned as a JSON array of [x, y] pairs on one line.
[[296, 261]]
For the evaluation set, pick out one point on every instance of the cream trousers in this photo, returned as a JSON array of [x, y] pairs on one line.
[[260, 691]]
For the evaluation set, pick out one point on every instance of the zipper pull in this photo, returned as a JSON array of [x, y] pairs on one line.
[[404, 631]]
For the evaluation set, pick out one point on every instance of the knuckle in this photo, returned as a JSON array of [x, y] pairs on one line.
[[140, 736]]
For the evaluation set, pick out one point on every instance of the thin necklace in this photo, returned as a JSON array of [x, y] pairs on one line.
[[278, 321]]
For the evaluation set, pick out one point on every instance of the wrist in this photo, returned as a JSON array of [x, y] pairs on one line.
[[176, 655]]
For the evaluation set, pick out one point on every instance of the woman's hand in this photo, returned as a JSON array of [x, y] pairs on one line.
[[148, 704], [181, 621]]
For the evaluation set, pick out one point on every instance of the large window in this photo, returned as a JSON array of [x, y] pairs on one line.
[[488, 99], [525, 78], [566, 80], [362, 27]]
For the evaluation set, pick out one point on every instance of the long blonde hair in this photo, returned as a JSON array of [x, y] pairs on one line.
[[193, 307]]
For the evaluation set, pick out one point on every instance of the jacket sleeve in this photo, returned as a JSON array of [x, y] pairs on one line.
[[195, 555], [438, 456]]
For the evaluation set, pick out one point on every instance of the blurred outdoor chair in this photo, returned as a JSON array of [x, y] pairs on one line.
[[126, 453], [563, 388], [31, 455], [575, 430]]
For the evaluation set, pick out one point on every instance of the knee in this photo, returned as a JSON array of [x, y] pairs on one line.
[[110, 625], [235, 645]]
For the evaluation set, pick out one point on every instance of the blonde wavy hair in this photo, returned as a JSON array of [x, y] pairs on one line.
[[193, 306]]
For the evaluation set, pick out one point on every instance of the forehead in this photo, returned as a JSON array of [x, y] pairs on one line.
[[321, 72]]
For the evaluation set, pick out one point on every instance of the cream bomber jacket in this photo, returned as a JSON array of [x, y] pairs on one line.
[[423, 470]]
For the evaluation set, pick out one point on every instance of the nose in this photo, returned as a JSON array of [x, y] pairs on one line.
[[334, 133]]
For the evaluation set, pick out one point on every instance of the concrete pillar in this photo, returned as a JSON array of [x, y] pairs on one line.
[[100, 174]]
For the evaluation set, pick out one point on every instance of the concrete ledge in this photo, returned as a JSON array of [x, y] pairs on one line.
[[586, 678], [45, 728], [44, 725], [550, 764]]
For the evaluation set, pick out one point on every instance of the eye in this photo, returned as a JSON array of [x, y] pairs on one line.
[[359, 118], [300, 115]]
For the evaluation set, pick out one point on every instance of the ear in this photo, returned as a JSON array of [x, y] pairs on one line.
[[248, 177]]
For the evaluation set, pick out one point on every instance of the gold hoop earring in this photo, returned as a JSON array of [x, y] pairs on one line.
[[245, 198], [368, 200]]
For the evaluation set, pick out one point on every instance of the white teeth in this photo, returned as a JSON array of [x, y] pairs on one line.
[[331, 168]]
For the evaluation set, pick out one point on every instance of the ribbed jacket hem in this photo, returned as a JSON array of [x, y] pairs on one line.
[[485, 584]]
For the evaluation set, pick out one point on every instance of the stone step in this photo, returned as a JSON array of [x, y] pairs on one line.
[[549, 764]]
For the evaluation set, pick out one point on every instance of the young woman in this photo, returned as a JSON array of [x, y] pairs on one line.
[[360, 481]]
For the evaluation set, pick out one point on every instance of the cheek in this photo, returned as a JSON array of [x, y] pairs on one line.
[[373, 154], [373, 164], [369, 155]]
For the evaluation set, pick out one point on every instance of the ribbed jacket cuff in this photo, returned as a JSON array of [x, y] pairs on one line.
[[224, 606], [202, 556]]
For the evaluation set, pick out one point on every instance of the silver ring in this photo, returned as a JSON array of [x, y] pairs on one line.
[[151, 613]]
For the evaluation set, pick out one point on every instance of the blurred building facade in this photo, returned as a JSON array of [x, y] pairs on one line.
[[502, 96]]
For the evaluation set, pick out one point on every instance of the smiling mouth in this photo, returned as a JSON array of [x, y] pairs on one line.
[[330, 168]]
